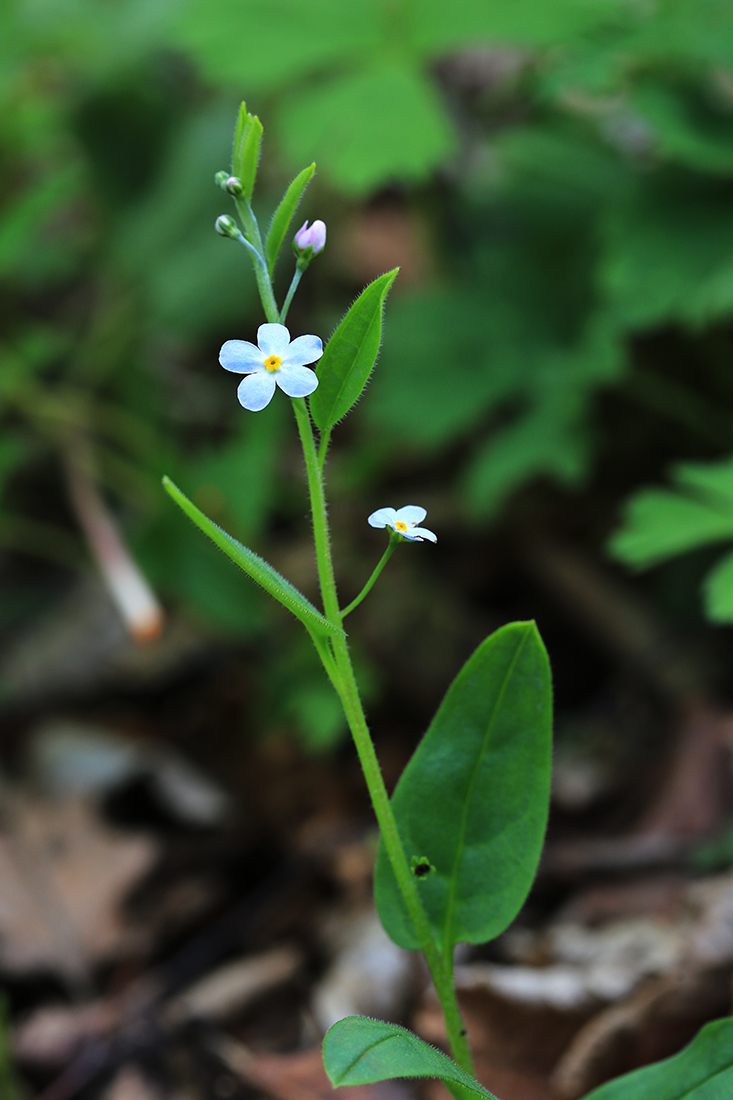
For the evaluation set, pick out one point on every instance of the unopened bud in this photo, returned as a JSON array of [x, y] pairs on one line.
[[234, 186], [226, 226], [313, 237], [220, 179]]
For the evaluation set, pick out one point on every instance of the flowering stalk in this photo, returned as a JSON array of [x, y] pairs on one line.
[[278, 361], [440, 966], [392, 545]]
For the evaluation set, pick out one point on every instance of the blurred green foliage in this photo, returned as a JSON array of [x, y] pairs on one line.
[[568, 163], [662, 523]]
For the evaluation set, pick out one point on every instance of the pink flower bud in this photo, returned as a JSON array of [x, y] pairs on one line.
[[313, 237]]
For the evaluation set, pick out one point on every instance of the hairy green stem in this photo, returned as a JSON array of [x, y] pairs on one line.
[[264, 284], [440, 968], [394, 540], [289, 296]]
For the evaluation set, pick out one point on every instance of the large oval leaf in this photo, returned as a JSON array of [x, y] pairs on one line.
[[350, 355], [702, 1071], [472, 803], [360, 1051]]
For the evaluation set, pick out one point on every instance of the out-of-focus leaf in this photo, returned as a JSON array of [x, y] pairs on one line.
[[702, 1071], [368, 127], [718, 591], [669, 253], [660, 523], [686, 127]]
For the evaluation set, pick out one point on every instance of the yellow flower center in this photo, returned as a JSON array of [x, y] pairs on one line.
[[273, 363], [400, 526]]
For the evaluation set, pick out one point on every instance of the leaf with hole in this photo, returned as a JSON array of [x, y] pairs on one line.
[[474, 798]]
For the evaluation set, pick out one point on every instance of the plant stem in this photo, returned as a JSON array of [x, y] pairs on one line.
[[264, 285], [440, 968], [323, 447], [289, 296], [391, 547]]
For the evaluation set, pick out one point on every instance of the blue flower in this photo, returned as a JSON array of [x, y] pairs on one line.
[[276, 360], [404, 521]]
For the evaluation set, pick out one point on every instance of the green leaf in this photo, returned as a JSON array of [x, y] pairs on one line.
[[255, 566], [368, 127], [246, 149], [702, 1071], [283, 216], [718, 591], [661, 523], [350, 355], [360, 1051], [474, 798]]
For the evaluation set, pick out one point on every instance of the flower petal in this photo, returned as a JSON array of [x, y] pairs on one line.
[[296, 381], [241, 356], [304, 349], [256, 390], [273, 339], [382, 517], [411, 513], [419, 534]]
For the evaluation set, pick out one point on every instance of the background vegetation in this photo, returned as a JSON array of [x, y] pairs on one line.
[[555, 180]]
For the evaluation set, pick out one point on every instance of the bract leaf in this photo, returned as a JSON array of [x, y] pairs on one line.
[[702, 1071], [255, 566], [474, 798], [360, 1051], [246, 149], [283, 216], [350, 355]]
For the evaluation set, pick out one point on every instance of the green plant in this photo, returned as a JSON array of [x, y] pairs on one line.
[[460, 839]]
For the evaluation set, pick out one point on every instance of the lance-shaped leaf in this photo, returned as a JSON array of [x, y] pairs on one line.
[[360, 1051], [246, 150], [474, 798], [350, 355], [283, 216], [702, 1071], [255, 567]]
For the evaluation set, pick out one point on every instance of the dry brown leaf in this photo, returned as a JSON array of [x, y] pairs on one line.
[[298, 1076], [130, 1084], [235, 985], [52, 1034], [64, 875]]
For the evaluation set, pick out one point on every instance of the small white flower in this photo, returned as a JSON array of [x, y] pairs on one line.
[[404, 521], [274, 361]]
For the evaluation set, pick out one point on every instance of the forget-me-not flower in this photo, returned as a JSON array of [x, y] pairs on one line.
[[311, 237], [275, 360], [404, 521]]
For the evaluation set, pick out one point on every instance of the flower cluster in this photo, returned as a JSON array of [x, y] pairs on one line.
[[274, 361], [404, 521]]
